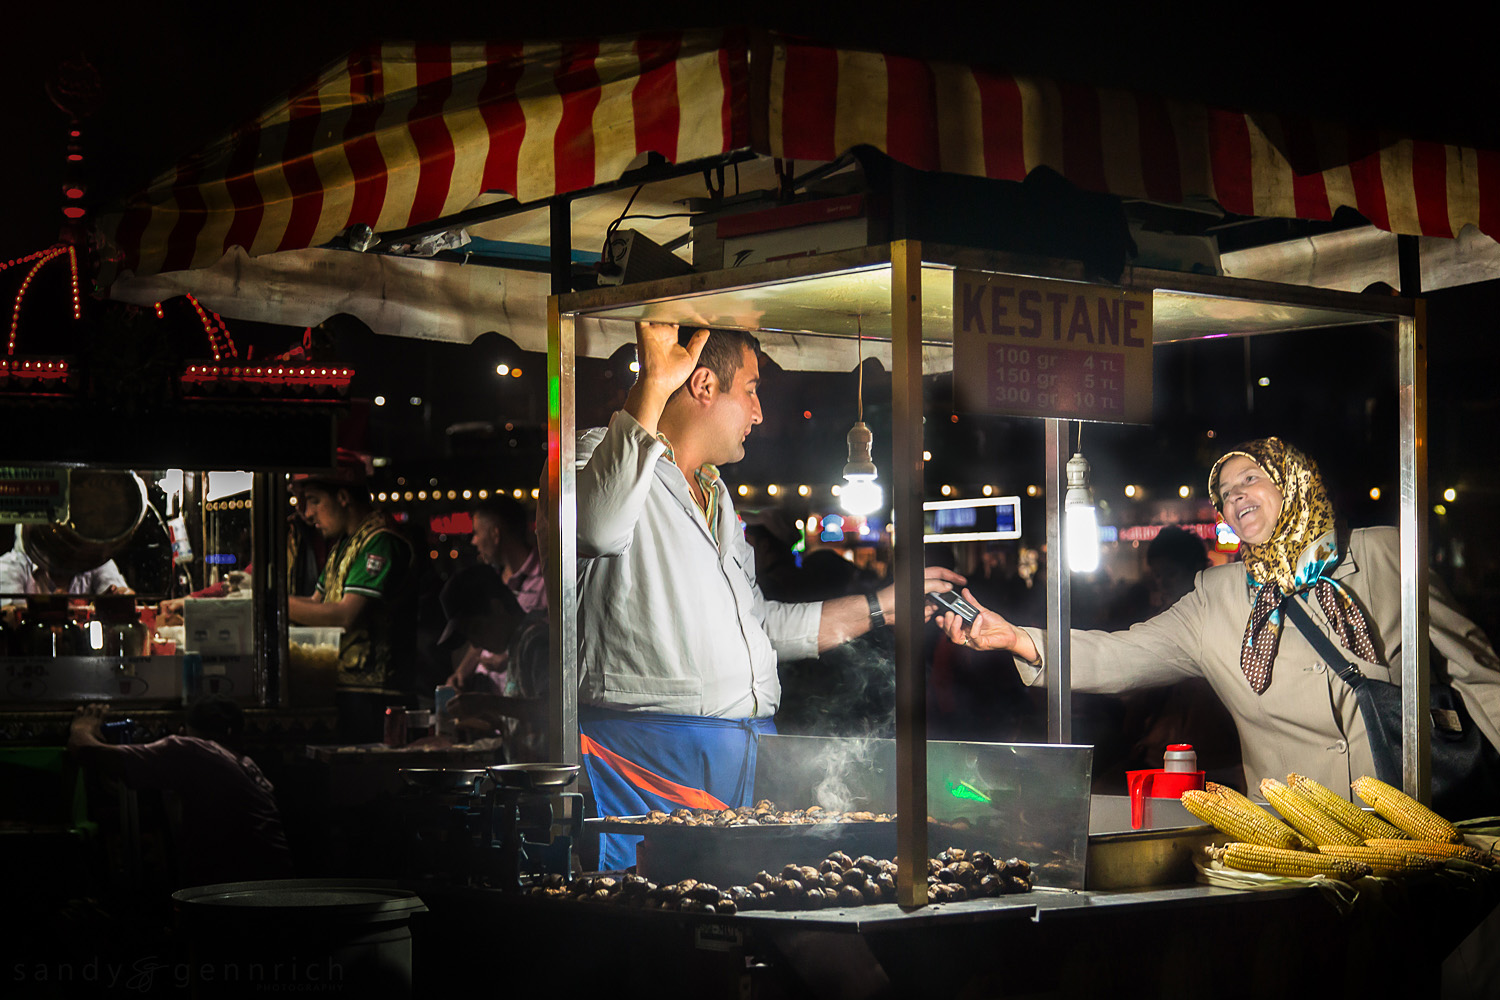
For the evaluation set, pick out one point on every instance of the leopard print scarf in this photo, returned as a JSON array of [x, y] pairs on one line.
[[1302, 551]]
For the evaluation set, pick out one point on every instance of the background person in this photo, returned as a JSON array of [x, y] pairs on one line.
[[365, 589], [483, 611], [25, 569], [504, 540], [1293, 714], [231, 829], [508, 549]]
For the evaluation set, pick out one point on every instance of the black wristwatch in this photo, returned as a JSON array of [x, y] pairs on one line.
[[877, 617]]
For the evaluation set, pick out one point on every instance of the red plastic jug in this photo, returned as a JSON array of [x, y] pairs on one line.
[[1179, 775]]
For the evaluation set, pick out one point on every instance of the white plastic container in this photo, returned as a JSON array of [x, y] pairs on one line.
[[312, 665]]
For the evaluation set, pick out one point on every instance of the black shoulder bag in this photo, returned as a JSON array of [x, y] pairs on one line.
[[1465, 768]]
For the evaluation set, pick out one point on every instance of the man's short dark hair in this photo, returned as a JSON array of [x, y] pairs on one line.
[[507, 513], [723, 353]]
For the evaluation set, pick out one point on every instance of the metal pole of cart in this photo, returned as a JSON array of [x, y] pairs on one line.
[[1059, 652], [906, 511], [1416, 766], [562, 544]]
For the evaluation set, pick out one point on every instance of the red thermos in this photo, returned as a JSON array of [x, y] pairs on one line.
[[1179, 773]]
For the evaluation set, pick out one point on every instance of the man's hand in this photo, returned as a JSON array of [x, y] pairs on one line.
[[935, 580], [989, 631], [664, 361], [846, 618], [85, 729], [665, 365]]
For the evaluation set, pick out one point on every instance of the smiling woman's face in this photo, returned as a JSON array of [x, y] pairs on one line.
[[1252, 503]]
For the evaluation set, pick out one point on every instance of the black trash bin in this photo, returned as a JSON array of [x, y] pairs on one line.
[[298, 936]]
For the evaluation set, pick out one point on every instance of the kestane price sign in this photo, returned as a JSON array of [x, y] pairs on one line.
[[1029, 347]]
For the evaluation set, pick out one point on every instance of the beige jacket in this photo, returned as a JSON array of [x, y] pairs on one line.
[[1308, 720]]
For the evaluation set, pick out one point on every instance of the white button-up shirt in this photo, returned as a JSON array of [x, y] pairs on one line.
[[670, 618], [18, 576]]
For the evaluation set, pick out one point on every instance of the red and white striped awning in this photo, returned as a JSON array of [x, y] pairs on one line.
[[401, 135], [820, 102]]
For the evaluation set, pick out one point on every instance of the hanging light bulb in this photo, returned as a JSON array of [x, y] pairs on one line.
[[1081, 520], [861, 493]]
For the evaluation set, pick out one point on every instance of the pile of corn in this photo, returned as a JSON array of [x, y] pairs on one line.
[[1324, 834]]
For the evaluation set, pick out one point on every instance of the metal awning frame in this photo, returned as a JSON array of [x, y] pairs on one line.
[[893, 292]]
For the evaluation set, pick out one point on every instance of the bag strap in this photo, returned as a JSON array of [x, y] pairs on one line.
[[1324, 646]]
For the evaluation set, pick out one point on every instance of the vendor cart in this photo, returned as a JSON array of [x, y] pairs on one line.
[[902, 297]]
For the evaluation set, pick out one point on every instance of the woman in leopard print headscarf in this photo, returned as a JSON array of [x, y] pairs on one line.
[[1286, 551], [1228, 628]]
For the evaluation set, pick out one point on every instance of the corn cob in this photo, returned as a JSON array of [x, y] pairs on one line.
[[1305, 817], [1404, 811], [1237, 801], [1296, 864], [1225, 792], [1344, 812], [1253, 824], [1436, 849], [1383, 861]]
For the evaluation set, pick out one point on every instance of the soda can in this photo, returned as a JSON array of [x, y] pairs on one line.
[[395, 727]]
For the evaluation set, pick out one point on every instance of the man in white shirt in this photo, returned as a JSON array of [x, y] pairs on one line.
[[677, 645], [23, 571]]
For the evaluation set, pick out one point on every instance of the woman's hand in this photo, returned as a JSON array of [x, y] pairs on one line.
[[988, 631]]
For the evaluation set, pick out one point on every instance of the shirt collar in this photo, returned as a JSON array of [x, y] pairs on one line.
[[707, 475]]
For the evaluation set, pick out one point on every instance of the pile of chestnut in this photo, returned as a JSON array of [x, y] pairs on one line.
[[838, 881]]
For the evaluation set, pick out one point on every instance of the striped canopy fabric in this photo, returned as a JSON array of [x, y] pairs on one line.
[[819, 102], [402, 135]]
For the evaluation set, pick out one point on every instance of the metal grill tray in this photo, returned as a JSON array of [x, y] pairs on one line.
[[830, 830], [731, 855]]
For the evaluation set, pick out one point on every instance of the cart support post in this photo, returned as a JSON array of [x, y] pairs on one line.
[[1059, 589], [906, 511], [268, 584], [562, 544], [1416, 768]]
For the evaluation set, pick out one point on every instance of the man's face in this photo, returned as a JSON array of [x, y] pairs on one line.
[[486, 539], [325, 511], [734, 411], [1252, 503]]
